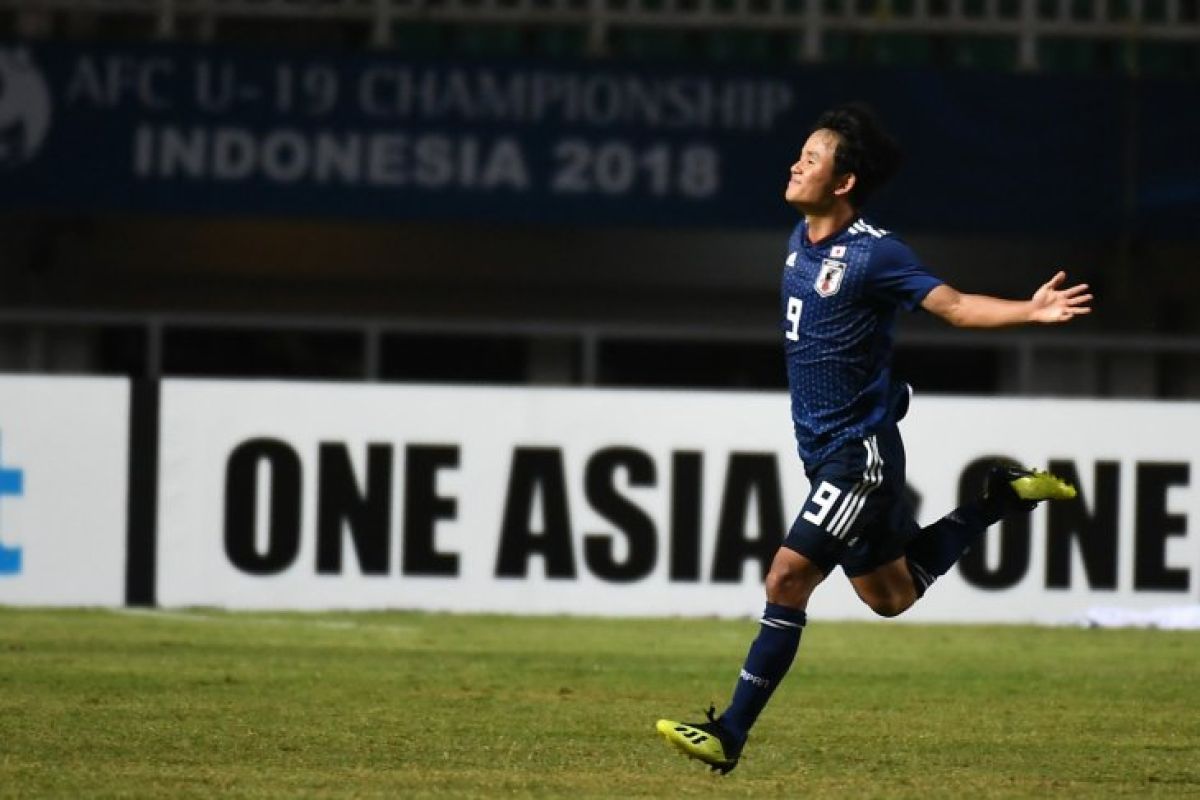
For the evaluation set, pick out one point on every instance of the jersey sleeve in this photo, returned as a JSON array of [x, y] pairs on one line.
[[897, 276]]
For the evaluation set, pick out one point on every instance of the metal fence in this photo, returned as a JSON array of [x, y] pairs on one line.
[[1026, 23], [1024, 362]]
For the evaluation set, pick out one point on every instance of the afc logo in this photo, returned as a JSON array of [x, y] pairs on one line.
[[11, 485], [24, 108]]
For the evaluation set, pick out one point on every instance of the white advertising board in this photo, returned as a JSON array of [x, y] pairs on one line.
[[321, 496], [63, 490]]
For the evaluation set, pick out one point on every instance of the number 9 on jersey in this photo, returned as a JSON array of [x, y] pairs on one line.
[[794, 307]]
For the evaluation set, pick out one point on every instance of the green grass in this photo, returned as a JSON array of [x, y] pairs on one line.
[[105, 704]]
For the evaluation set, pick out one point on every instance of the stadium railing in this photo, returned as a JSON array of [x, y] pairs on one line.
[[1020, 363], [1032, 27]]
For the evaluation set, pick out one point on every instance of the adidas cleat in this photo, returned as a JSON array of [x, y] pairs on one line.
[[703, 741], [1029, 485]]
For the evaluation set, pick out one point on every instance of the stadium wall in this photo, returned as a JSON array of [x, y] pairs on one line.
[[274, 495]]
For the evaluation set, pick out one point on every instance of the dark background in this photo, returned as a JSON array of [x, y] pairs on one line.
[[1085, 160]]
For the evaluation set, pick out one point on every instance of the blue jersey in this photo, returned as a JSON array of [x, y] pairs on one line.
[[839, 304]]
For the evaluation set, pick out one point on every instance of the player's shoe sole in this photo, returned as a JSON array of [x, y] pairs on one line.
[[700, 741], [1036, 485]]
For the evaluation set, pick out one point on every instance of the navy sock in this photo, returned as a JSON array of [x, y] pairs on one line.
[[767, 662], [939, 546]]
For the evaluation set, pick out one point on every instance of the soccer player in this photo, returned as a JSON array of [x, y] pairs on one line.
[[843, 280]]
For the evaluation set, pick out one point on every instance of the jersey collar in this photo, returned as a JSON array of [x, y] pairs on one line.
[[828, 240]]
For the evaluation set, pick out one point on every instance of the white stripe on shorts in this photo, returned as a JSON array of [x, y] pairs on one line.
[[851, 497], [853, 505]]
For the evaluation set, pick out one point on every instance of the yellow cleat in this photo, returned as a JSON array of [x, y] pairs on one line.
[[703, 741], [1021, 488], [1033, 484]]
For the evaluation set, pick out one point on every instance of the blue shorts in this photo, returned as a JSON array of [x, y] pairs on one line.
[[857, 513]]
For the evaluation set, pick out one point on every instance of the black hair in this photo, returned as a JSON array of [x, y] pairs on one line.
[[864, 148]]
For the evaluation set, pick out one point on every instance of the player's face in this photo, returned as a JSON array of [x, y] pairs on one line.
[[812, 180]]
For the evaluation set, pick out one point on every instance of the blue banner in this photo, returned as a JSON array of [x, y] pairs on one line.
[[181, 129]]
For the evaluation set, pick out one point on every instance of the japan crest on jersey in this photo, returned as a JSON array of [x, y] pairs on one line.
[[829, 279]]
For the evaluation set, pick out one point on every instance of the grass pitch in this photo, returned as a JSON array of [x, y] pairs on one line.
[[205, 704]]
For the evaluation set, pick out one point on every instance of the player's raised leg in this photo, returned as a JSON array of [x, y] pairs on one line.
[[889, 589], [1008, 488]]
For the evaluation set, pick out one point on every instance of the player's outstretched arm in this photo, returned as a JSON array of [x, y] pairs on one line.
[[1049, 304]]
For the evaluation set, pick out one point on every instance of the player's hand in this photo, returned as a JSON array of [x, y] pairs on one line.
[[1052, 304]]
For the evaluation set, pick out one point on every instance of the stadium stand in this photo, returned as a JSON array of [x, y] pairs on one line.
[[1146, 35], [241, 294]]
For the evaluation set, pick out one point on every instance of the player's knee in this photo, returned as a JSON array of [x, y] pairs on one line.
[[787, 586], [779, 584], [791, 579], [889, 605]]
